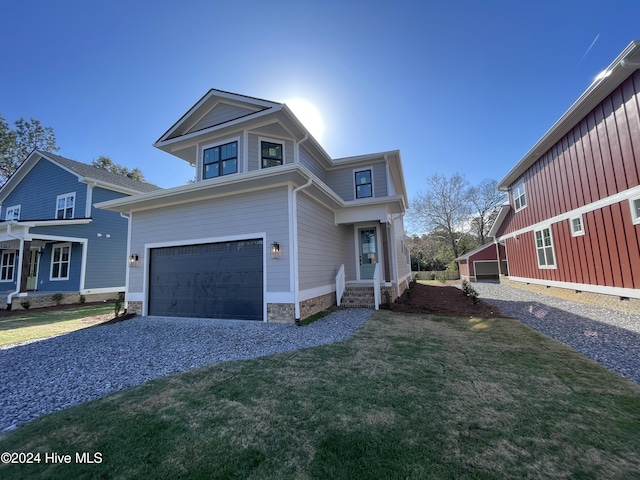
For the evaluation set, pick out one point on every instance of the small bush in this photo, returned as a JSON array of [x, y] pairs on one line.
[[82, 298], [470, 292], [57, 298], [441, 278], [26, 304], [119, 303]]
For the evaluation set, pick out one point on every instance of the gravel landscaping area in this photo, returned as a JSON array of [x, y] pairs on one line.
[[609, 337], [59, 372]]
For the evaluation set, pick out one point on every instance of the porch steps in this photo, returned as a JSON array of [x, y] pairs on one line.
[[358, 296]]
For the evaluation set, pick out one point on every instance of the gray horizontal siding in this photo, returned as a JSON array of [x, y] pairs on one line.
[[223, 112], [37, 193], [263, 211], [255, 155], [342, 180], [323, 246], [308, 161]]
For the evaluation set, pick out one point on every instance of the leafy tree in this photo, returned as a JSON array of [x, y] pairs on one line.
[[486, 200], [16, 144], [105, 163], [444, 207]]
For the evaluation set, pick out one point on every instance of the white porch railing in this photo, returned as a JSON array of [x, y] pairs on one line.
[[340, 284], [376, 286]]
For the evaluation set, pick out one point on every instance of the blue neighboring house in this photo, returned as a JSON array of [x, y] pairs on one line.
[[52, 239]]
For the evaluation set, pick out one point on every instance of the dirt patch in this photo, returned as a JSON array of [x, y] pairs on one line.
[[442, 300]]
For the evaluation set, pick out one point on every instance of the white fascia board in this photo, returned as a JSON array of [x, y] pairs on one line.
[[504, 209]]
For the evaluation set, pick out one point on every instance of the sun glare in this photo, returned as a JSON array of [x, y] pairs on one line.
[[308, 115]]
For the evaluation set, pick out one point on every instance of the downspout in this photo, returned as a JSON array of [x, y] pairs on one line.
[[19, 277], [126, 275], [294, 246]]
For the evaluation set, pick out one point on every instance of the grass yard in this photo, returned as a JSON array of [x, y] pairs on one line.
[[33, 324], [409, 396]]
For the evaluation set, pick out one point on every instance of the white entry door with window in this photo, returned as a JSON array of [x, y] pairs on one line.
[[368, 251]]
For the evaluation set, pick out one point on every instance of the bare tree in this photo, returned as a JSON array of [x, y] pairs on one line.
[[444, 206], [486, 200]]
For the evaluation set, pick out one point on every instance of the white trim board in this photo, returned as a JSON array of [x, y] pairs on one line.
[[585, 287]]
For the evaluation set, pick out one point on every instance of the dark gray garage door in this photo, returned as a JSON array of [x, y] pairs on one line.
[[486, 270], [213, 280]]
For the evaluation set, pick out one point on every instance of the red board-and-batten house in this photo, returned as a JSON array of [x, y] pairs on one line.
[[573, 219]]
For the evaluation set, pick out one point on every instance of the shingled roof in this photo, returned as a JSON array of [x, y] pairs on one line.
[[100, 175]]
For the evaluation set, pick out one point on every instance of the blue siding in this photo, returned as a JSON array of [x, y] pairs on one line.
[[45, 284], [38, 191]]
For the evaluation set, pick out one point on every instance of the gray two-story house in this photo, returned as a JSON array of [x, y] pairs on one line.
[[52, 239], [273, 228]]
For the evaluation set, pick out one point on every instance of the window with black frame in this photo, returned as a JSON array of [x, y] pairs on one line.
[[364, 187], [220, 160], [271, 154]]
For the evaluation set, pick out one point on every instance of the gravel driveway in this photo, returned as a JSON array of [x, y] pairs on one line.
[[59, 372], [609, 337]]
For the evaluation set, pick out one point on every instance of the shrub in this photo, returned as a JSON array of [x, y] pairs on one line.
[[25, 304], [470, 292], [82, 298], [119, 303], [57, 298], [441, 278]]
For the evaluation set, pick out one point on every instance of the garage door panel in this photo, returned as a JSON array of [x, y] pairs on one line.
[[219, 280], [486, 270]]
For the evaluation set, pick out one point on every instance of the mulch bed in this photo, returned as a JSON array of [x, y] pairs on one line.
[[442, 300]]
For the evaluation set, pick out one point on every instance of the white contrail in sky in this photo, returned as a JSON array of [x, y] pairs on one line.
[[589, 49]]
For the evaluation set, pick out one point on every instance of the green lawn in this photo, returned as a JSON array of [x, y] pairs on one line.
[[409, 396], [34, 324]]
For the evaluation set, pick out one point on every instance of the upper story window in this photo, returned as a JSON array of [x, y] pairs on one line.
[[544, 248], [220, 160], [364, 185], [577, 228], [635, 210], [65, 205], [271, 154], [12, 213], [519, 196]]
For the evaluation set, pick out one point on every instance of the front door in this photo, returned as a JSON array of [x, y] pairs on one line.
[[32, 277], [368, 252]]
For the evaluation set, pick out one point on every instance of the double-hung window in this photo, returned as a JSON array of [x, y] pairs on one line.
[[364, 184], [12, 213], [634, 203], [60, 261], [519, 195], [65, 205], [8, 265], [544, 248], [271, 154], [577, 228], [220, 160]]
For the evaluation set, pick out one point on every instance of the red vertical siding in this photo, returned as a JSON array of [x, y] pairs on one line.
[[598, 158]]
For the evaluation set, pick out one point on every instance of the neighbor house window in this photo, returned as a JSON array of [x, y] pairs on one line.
[[519, 197], [12, 213], [364, 186], [577, 228], [635, 210], [8, 264], [220, 160], [60, 258], [64, 206], [544, 248], [271, 154]]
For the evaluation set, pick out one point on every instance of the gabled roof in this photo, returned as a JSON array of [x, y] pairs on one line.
[[616, 73], [85, 173], [468, 255]]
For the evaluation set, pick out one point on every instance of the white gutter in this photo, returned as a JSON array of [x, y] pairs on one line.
[[19, 277], [294, 245]]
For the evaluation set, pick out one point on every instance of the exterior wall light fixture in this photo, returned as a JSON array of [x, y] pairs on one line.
[[275, 250], [133, 260]]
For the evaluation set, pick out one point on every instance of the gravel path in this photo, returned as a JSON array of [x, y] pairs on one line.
[[609, 337], [59, 372]]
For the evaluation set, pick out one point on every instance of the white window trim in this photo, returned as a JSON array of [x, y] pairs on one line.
[[61, 246], [553, 250], [634, 218], [353, 180], [10, 209], [3, 266], [279, 141], [519, 185], [217, 143], [73, 209], [574, 232]]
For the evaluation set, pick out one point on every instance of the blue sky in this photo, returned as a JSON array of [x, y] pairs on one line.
[[464, 86]]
